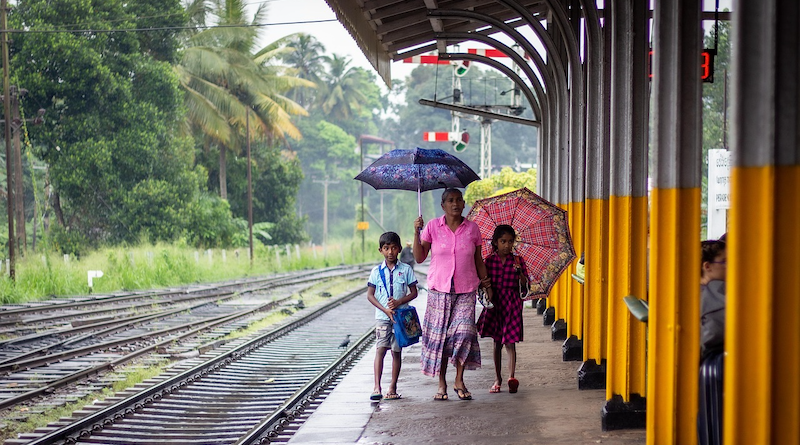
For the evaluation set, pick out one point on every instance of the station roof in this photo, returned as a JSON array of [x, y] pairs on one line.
[[391, 30]]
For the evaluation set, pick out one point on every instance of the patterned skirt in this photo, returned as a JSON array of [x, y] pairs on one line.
[[448, 330]]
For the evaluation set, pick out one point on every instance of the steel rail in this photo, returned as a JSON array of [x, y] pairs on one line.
[[74, 377], [293, 407], [96, 421]]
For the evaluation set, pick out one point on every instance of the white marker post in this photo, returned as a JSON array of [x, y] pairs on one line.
[[93, 274]]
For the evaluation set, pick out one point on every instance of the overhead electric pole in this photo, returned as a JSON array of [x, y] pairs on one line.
[[249, 188], [325, 184], [7, 131]]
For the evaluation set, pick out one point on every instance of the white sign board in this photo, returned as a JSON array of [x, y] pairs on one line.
[[719, 179], [719, 191]]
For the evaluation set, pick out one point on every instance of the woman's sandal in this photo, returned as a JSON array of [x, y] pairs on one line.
[[494, 389], [440, 396], [513, 384], [463, 393], [391, 396]]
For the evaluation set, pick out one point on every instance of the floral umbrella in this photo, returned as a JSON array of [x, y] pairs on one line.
[[417, 170], [543, 239]]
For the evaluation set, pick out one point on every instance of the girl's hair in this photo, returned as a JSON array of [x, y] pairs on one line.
[[448, 191], [710, 249], [500, 230]]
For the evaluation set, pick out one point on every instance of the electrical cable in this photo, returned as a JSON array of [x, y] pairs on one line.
[[161, 28]]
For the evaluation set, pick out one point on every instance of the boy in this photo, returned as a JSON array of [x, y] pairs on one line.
[[391, 284]]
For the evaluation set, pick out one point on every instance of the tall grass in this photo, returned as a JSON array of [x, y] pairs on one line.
[[42, 275]]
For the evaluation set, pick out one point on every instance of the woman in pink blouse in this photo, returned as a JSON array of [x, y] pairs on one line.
[[456, 270]]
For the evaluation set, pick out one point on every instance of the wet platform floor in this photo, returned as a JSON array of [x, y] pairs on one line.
[[548, 408]]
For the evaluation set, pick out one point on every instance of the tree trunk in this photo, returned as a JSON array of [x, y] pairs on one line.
[[223, 177], [57, 209]]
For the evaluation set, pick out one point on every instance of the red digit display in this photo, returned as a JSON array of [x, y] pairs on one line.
[[706, 65]]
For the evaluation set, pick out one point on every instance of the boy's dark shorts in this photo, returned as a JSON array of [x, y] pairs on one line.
[[384, 336]]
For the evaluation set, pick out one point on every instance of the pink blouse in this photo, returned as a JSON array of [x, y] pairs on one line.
[[452, 255]]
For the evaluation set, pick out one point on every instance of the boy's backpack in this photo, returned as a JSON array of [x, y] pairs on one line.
[[407, 329]]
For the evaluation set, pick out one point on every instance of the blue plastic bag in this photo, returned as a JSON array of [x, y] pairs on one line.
[[407, 329]]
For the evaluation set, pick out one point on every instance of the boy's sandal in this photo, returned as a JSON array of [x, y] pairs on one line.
[[513, 384], [463, 393], [391, 396], [440, 396], [376, 396], [494, 389]]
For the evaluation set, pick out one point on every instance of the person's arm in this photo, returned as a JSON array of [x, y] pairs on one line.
[[483, 274], [377, 304], [523, 275], [412, 294], [421, 248]]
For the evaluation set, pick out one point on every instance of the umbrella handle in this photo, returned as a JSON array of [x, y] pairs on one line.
[[419, 192]]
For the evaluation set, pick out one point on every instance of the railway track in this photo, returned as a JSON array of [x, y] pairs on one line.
[[70, 313], [245, 392], [36, 364]]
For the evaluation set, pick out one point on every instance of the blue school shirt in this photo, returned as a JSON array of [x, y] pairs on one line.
[[398, 280]]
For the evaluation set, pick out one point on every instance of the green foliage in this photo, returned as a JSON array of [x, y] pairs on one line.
[[306, 56], [112, 111], [506, 181], [153, 209], [276, 179], [149, 266], [71, 242], [157, 14], [208, 222], [327, 152]]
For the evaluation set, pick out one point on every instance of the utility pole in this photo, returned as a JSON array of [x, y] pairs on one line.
[[249, 188], [17, 123], [325, 184], [19, 196], [7, 131]]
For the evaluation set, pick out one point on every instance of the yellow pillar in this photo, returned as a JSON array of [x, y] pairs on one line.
[[627, 240], [673, 353], [674, 325], [576, 297], [762, 337], [596, 281], [627, 276], [762, 393]]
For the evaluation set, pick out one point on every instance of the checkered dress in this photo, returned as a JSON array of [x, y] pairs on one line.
[[503, 323]]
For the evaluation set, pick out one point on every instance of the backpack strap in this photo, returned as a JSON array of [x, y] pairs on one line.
[[389, 292]]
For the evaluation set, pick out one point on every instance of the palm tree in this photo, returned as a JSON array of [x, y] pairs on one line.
[[308, 59], [344, 95], [224, 80]]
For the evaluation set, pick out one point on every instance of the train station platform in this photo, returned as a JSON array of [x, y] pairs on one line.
[[548, 408]]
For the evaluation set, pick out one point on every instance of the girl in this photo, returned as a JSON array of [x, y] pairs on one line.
[[504, 322]]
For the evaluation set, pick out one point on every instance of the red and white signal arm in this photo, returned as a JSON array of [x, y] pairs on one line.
[[436, 136], [459, 140]]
